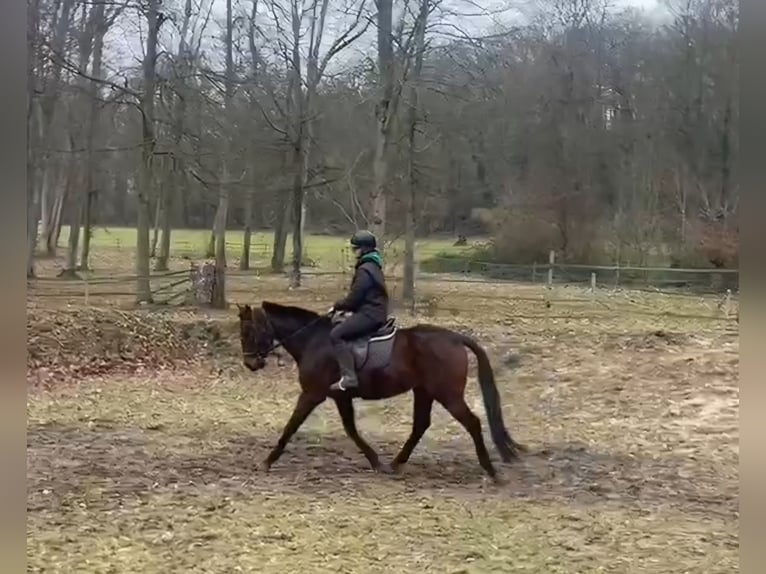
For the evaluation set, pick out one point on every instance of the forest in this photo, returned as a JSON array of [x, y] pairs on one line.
[[593, 128]]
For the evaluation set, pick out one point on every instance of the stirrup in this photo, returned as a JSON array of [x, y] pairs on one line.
[[338, 385]]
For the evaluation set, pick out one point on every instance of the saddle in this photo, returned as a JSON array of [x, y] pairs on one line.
[[373, 351]]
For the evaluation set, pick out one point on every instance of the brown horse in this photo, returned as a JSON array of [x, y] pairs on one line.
[[430, 361]]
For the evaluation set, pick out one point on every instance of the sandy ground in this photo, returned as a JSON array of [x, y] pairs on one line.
[[632, 422]]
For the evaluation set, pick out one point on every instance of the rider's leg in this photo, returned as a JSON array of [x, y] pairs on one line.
[[341, 336]]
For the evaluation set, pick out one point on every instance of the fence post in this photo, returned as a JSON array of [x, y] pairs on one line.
[[551, 263], [593, 282], [534, 272], [617, 276], [728, 302], [725, 303]]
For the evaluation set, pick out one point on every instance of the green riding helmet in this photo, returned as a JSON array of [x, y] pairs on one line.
[[364, 239]]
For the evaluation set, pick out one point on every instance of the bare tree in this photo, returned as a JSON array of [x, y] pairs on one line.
[[419, 48], [33, 192], [303, 83], [586, 129], [385, 110], [100, 23], [255, 63], [54, 53], [84, 108], [219, 288], [144, 192]]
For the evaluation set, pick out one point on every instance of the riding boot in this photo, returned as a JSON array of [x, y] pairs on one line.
[[348, 378]]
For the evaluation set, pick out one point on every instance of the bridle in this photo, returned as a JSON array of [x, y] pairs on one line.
[[260, 354]]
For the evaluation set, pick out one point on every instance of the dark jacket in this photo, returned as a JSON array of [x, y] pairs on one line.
[[368, 294]]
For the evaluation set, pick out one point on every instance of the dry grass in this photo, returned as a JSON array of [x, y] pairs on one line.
[[632, 420]]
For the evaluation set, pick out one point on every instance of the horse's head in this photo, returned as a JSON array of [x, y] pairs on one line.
[[256, 337]]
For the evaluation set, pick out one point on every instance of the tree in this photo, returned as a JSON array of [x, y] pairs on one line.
[[419, 48], [300, 113], [385, 111], [144, 192], [219, 288], [587, 129]]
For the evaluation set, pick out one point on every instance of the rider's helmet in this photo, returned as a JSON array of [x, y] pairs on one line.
[[364, 240]]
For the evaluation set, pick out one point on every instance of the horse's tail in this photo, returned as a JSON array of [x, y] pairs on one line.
[[506, 446]]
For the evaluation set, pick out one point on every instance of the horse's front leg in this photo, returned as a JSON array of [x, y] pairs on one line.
[[346, 410], [306, 404]]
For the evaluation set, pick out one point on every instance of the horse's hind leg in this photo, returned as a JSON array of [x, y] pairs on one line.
[[459, 409], [346, 410], [420, 422]]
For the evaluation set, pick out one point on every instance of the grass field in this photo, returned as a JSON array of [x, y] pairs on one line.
[[629, 404], [324, 251]]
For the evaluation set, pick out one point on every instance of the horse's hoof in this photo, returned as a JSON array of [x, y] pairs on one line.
[[263, 467], [385, 468], [498, 480]]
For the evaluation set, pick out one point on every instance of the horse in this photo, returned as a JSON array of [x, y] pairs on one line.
[[424, 359]]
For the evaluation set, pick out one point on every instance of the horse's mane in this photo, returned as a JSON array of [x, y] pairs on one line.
[[289, 312]]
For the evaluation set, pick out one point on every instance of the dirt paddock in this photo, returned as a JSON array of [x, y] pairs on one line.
[[633, 465]]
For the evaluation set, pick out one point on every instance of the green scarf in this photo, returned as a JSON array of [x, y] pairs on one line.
[[373, 256]]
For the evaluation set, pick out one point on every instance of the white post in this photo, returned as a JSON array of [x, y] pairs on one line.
[[551, 262], [593, 282]]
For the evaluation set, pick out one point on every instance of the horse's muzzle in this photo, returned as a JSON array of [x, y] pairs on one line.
[[254, 363]]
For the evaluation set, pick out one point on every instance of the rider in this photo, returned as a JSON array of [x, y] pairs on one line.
[[367, 300]]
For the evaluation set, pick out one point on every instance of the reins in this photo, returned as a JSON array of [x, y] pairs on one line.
[[280, 342]]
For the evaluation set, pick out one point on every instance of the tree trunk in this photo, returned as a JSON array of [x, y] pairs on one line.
[[48, 105], [280, 228], [255, 59], [280, 235], [210, 251], [297, 204], [143, 224], [726, 164], [143, 217], [94, 132], [87, 230], [48, 203], [52, 239], [74, 236], [300, 178], [33, 194], [177, 177], [219, 286], [33, 212], [408, 290], [383, 115], [380, 179], [33, 189], [244, 260], [83, 177], [161, 263], [157, 217]]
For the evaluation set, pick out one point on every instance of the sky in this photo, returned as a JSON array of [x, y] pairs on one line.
[[125, 41]]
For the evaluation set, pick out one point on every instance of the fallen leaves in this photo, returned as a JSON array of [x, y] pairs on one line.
[[74, 343]]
